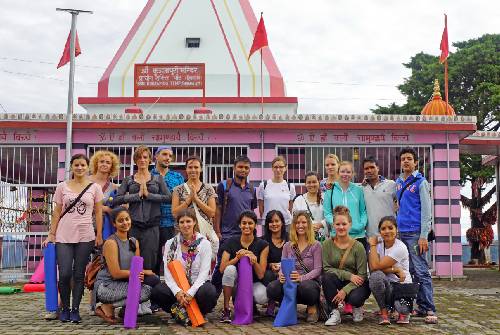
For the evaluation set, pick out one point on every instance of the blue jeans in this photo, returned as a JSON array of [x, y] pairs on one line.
[[419, 270]]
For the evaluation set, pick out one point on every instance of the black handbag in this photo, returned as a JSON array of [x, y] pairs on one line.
[[404, 290]]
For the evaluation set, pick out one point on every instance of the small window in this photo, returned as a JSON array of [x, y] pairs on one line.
[[192, 42]]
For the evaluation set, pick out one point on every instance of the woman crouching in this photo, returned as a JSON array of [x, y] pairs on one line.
[[249, 245], [389, 264], [111, 286], [194, 252], [307, 254], [344, 264]]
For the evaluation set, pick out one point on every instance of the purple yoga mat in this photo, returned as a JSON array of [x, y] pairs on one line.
[[134, 293], [243, 304]]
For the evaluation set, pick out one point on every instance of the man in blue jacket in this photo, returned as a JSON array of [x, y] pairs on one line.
[[414, 223]]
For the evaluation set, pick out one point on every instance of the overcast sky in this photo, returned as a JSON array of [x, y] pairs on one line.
[[337, 56]]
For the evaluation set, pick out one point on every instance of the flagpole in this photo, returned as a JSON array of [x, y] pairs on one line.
[[446, 84], [69, 114], [261, 86]]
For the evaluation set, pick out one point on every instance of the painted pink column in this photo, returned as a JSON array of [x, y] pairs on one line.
[[446, 202]]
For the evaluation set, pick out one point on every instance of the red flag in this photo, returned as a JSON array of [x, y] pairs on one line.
[[444, 42], [260, 37], [66, 53]]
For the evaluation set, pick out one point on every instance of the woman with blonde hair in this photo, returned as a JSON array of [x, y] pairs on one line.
[[104, 165], [306, 251], [345, 193], [332, 172], [345, 269]]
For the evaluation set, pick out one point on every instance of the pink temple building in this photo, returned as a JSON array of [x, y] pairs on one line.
[[32, 145]]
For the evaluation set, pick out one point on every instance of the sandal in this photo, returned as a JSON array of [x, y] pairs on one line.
[[108, 318], [431, 318]]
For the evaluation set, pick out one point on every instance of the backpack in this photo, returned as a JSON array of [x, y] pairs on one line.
[[97, 264], [92, 270]]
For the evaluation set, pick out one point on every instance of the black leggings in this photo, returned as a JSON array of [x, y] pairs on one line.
[[206, 297], [148, 241], [332, 284], [72, 259], [307, 292]]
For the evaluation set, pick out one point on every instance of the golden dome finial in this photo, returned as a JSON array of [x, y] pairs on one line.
[[436, 93]]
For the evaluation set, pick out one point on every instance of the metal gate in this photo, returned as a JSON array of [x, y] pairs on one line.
[[217, 160], [28, 176], [302, 159]]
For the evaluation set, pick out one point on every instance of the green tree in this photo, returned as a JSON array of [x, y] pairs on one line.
[[474, 89]]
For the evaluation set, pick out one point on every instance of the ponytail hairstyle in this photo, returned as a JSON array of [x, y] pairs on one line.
[[114, 215], [315, 174]]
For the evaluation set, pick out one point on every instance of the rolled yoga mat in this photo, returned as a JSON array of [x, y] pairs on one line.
[[38, 276], [9, 290], [243, 304], [107, 227], [50, 269], [179, 274], [133, 293], [30, 287], [287, 314]]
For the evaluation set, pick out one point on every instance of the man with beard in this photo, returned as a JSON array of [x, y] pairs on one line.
[[380, 195], [234, 196], [164, 156]]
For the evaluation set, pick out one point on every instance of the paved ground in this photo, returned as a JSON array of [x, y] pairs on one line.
[[465, 307]]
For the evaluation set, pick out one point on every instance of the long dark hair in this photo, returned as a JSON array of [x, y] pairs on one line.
[[114, 215], [269, 218]]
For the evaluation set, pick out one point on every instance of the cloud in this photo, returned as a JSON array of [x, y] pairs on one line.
[[336, 56]]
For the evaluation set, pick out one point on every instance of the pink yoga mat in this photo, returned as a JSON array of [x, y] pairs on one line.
[[38, 276], [134, 293], [243, 304]]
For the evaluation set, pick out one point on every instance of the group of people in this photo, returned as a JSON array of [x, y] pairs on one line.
[[347, 240]]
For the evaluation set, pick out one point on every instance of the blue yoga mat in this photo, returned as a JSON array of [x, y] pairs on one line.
[[50, 268], [287, 314], [107, 227]]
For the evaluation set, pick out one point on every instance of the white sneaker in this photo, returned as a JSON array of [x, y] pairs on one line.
[[357, 314], [334, 318], [145, 308]]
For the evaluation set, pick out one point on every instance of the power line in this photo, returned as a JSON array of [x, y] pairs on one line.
[[337, 83], [24, 60], [3, 108], [23, 74], [48, 63]]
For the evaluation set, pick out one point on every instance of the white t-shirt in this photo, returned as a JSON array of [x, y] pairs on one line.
[[399, 253], [277, 196], [301, 204]]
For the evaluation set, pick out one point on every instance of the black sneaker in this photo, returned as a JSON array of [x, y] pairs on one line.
[[154, 308], [64, 315], [74, 316], [226, 316]]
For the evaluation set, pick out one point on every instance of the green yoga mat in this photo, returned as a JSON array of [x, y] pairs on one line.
[[9, 290]]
